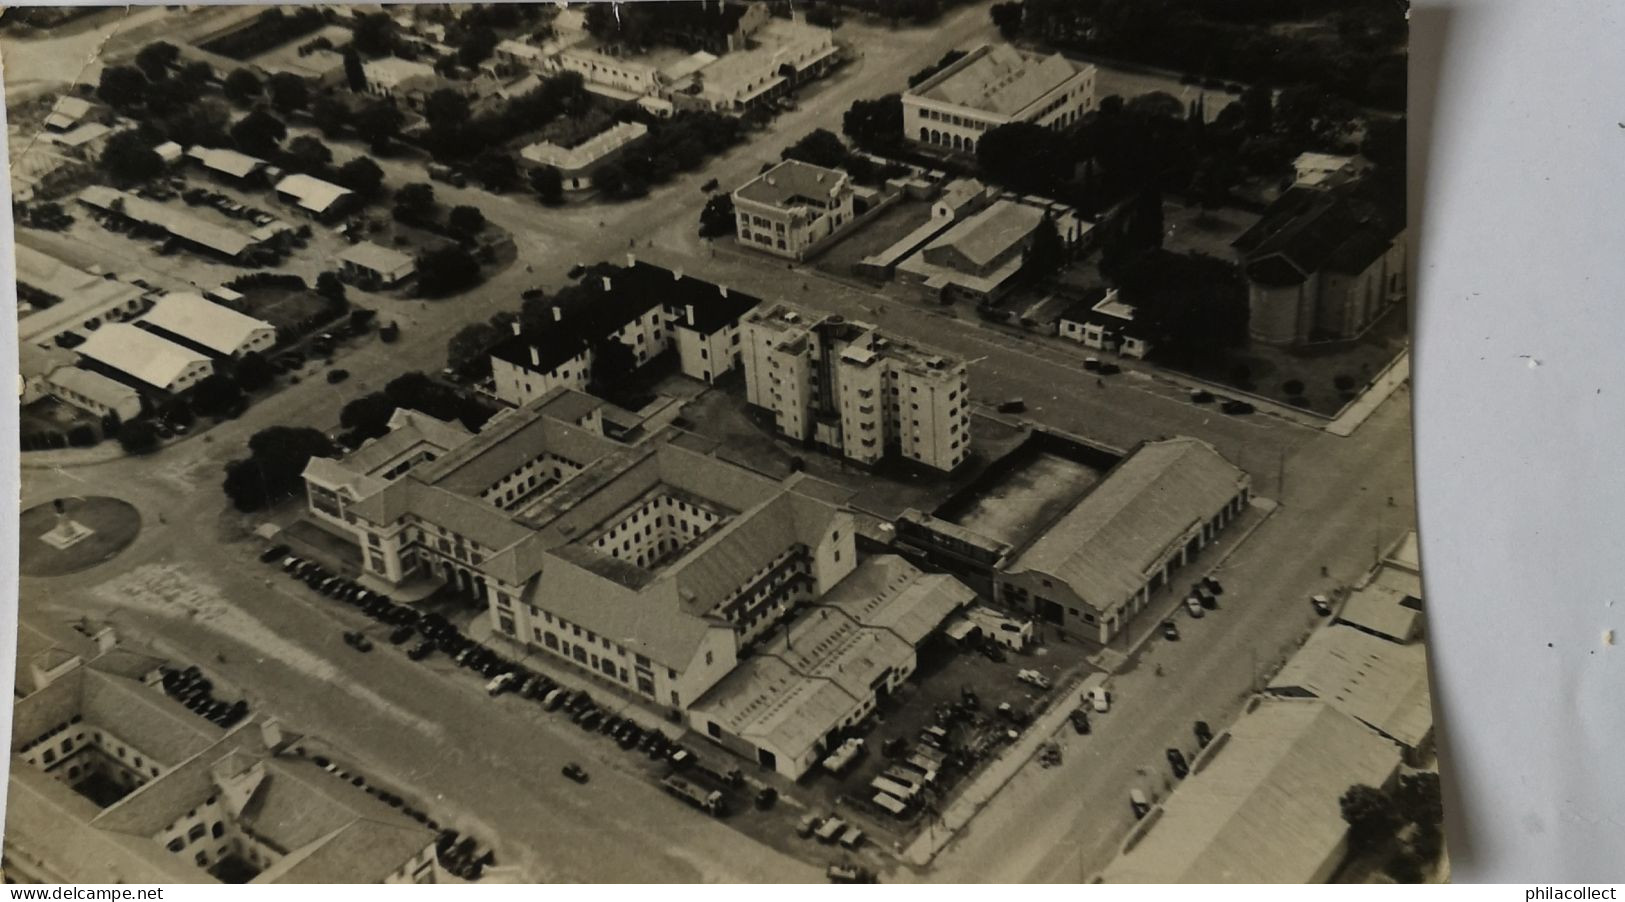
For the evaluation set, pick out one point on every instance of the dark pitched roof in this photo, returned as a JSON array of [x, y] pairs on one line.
[[611, 296], [1306, 231]]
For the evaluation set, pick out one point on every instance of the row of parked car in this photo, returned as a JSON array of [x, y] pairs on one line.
[[202, 197], [191, 688]]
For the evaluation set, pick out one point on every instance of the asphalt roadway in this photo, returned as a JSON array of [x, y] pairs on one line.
[[496, 766]]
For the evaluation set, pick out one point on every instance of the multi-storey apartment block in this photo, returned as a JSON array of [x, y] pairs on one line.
[[844, 386], [993, 86]]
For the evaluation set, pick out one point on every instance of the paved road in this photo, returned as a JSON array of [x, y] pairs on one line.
[[1335, 518]]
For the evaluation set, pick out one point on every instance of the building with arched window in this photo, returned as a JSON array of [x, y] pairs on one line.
[[996, 85]]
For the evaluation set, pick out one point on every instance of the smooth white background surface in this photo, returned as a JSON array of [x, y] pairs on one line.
[[1518, 227], [1518, 223]]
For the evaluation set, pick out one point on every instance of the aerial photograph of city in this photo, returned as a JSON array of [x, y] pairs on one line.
[[711, 441]]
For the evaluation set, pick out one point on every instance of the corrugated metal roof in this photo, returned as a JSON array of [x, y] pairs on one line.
[[94, 386], [141, 354], [214, 326], [1104, 546], [1383, 684], [1001, 79], [1265, 807]]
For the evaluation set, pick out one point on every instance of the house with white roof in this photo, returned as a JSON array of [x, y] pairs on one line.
[[228, 165], [142, 360], [94, 393], [996, 85], [190, 320], [791, 209], [576, 162], [321, 199], [374, 266]]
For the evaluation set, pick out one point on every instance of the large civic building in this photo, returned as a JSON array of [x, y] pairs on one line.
[[652, 565], [996, 85], [112, 781], [792, 209], [845, 386]]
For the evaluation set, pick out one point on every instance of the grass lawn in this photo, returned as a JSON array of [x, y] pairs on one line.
[[1191, 230], [114, 525], [291, 311]]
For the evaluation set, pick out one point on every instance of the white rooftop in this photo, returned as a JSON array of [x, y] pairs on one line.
[[143, 355], [216, 327]]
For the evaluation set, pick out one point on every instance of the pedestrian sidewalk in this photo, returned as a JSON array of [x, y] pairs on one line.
[[70, 457], [1386, 383], [992, 779]]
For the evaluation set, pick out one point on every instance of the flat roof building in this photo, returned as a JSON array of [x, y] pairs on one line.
[[845, 386], [792, 209], [189, 319], [1382, 684], [142, 360], [996, 85], [576, 162]]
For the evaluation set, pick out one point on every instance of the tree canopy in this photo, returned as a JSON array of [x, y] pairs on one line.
[[718, 216], [448, 270], [875, 125], [820, 147], [258, 134], [362, 176], [128, 157], [242, 86], [273, 469], [471, 345], [1024, 157], [1188, 303]]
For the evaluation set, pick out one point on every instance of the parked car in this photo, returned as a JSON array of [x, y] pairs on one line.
[[358, 641], [1176, 760], [1013, 405], [275, 552], [1201, 396], [1033, 678], [1236, 407], [1137, 802], [1322, 605], [1100, 700], [334, 377], [554, 699], [1194, 608], [421, 650], [709, 186], [575, 772], [1170, 631], [1213, 585], [767, 798], [400, 634], [1080, 721], [1204, 733], [499, 684], [1110, 369], [1092, 364]]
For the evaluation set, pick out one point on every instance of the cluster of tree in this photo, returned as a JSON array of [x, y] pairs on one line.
[[1358, 53], [157, 85], [1375, 818], [455, 133], [368, 416], [678, 144], [1045, 252], [821, 147], [468, 352], [271, 28], [447, 270], [273, 469], [82, 435], [690, 24], [1191, 305], [717, 218], [948, 59], [415, 205], [875, 125]]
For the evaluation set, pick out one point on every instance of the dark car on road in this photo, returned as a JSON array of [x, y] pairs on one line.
[[275, 552], [1176, 760], [1013, 405], [1236, 407], [1170, 630], [358, 641], [421, 650], [575, 772], [400, 634], [1080, 721], [1204, 733]]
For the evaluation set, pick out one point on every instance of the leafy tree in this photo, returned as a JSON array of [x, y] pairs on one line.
[[128, 158], [548, 184], [820, 147], [1419, 799], [258, 134], [609, 178], [122, 87], [155, 59], [197, 73], [368, 416], [331, 116], [289, 92], [216, 395], [1007, 18], [242, 86], [272, 471], [465, 222], [718, 216], [355, 73], [1258, 102], [138, 437], [446, 109], [253, 371], [875, 125], [1024, 157], [447, 270], [414, 203], [1045, 251], [374, 35], [329, 286], [362, 176], [495, 169], [612, 362], [1188, 303], [309, 154], [111, 424], [1404, 867], [378, 123], [471, 344], [1371, 816], [418, 392], [476, 46]]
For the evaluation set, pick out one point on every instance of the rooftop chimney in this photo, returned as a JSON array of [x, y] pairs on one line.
[[606, 279], [516, 327], [535, 356], [558, 312], [631, 259], [677, 274], [690, 309], [722, 290]]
